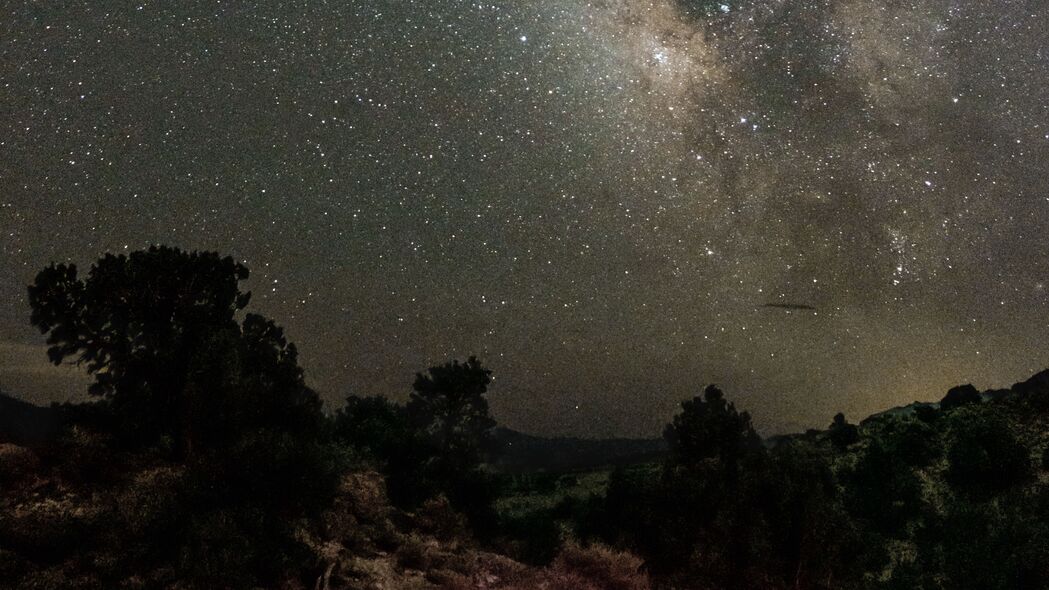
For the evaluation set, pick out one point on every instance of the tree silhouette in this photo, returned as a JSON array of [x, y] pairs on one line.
[[841, 433], [248, 379], [449, 415], [158, 331], [143, 324], [711, 445], [960, 396], [373, 426], [883, 490], [449, 408], [711, 428], [984, 456]]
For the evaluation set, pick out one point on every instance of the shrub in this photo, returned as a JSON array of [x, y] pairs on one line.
[[984, 456], [596, 568], [960, 396]]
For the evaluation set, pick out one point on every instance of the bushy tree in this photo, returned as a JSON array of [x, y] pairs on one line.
[[913, 441], [136, 322], [809, 540], [158, 331], [882, 490], [449, 440], [841, 433], [710, 428], [984, 455], [374, 426], [992, 545], [960, 396], [701, 514], [449, 408]]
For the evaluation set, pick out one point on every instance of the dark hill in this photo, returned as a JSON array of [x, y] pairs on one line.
[[519, 452], [25, 424]]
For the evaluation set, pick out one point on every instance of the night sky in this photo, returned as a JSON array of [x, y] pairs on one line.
[[600, 199]]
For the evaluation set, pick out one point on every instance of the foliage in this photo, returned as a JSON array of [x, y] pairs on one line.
[[136, 323], [452, 427], [984, 456], [374, 426], [449, 408], [158, 330], [960, 396], [710, 428], [841, 433], [259, 491]]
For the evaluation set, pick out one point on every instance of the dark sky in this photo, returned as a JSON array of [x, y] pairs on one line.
[[600, 199]]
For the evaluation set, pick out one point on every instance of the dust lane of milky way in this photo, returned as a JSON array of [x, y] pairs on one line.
[[611, 202]]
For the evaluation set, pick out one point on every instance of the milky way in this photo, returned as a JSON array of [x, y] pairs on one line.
[[600, 199]]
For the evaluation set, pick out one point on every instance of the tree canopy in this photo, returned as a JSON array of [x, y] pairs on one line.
[[158, 330]]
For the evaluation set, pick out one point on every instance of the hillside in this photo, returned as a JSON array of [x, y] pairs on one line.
[[952, 494], [25, 424], [521, 453]]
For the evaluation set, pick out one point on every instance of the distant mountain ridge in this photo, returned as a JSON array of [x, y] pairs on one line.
[[519, 452], [1038, 383]]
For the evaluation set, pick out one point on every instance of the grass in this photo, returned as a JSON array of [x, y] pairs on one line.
[[526, 494]]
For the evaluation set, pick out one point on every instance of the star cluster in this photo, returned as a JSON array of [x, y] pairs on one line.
[[598, 198]]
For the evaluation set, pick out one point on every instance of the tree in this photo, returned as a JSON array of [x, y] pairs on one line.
[[449, 408], [811, 541], [704, 516], [960, 396], [452, 429], [248, 379], [882, 490], [136, 323], [984, 456], [912, 440], [374, 426], [711, 428], [159, 332], [841, 433]]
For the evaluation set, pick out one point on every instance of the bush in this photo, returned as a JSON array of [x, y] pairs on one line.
[[985, 457], [596, 568], [841, 433], [535, 537], [17, 464], [960, 396]]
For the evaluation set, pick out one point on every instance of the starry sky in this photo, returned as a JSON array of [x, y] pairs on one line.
[[599, 198]]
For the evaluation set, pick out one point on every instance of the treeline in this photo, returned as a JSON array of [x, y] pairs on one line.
[[182, 382], [212, 465], [953, 497]]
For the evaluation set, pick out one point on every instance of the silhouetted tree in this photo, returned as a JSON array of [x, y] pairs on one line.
[[809, 540], [711, 428], [158, 331], [960, 396], [984, 456], [912, 440], [705, 517], [841, 433], [136, 323], [448, 406], [882, 490], [993, 545], [452, 430], [374, 426]]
